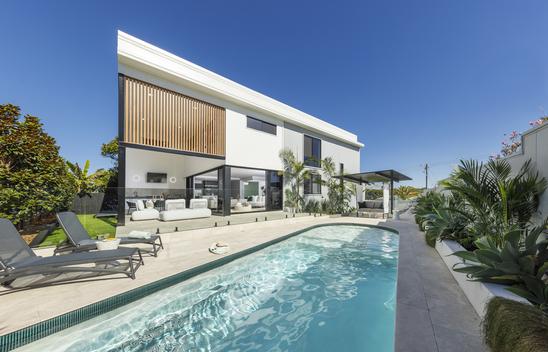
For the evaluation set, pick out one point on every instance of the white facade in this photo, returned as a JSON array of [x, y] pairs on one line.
[[535, 148], [245, 147]]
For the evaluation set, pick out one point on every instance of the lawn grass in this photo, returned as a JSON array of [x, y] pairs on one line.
[[95, 226]]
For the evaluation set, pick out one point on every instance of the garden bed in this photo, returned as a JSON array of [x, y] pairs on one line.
[[478, 293]]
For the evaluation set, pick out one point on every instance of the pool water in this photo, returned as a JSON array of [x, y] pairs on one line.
[[331, 288]]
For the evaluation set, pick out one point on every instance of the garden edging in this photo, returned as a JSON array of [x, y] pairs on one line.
[[478, 293]]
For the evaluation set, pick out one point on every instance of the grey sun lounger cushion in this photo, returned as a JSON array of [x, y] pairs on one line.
[[81, 241], [18, 260]]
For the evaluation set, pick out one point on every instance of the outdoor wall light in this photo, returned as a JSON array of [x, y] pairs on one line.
[[136, 178], [173, 179]]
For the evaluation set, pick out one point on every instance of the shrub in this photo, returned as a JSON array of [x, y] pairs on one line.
[[521, 263], [511, 326], [312, 206]]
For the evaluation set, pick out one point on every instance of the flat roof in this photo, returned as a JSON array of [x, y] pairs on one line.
[[139, 54], [376, 176]]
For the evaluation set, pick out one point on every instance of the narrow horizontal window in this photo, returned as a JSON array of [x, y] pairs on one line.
[[259, 125]]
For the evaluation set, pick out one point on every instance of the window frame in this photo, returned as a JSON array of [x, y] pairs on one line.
[[318, 182], [312, 161], [263, 125]]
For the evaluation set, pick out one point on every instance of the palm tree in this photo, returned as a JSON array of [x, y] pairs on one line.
[[497, 201], [295, 173], [86, 183]]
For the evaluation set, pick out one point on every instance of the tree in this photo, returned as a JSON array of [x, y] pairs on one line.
[[295, 173], [110, 150], [34, 180]]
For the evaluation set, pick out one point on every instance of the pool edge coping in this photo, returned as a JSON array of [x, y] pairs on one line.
[[42, 329]]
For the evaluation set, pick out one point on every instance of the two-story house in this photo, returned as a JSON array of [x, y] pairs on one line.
[[187, 132]]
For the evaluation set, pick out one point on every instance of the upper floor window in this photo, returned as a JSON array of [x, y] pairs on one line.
[[313, 184], [312, 151], [259, 125]]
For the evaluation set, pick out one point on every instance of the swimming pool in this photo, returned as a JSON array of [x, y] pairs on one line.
[[330, 288]]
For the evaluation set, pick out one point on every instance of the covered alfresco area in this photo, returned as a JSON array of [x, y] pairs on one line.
[[387, 177]]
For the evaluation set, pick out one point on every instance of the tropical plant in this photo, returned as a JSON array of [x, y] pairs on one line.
[[448, 221], [407, 192], [510, 326], [295, 173], [339, 192], [34, 180], [312, 206], [521, 262], [496, 201], [86, 182], [425, 206]]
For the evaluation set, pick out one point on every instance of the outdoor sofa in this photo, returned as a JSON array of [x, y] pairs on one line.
[[18, 260], [79, 239], [176, 210], [144, 213]]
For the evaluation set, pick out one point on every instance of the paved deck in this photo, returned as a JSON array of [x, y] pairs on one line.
[[433, 314], [195, 224]]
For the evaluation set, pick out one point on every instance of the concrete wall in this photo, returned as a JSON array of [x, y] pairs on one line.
[[534, 147]]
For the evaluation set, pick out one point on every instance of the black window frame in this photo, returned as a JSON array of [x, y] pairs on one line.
[[314, 179], [261, 125], [312, 160]]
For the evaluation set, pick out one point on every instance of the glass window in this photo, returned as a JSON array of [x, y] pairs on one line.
[[259, 125], [312, 151], [313, 185]]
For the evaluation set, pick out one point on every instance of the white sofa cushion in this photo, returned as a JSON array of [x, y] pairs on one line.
[[140, 205], [146, 214], [198, 203], [175, 204], [184, 214]]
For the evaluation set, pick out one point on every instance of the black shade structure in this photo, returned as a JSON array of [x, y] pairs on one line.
[[378, 176]]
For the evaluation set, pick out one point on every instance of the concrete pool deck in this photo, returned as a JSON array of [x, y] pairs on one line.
[[432, 312]]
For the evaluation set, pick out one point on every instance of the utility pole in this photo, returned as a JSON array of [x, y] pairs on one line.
[[426, 172]]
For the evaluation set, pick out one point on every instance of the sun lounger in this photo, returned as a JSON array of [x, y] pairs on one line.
[[79, 239], [17, 260]]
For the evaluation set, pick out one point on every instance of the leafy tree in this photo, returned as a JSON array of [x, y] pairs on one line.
[[110, 150], [34, 180]]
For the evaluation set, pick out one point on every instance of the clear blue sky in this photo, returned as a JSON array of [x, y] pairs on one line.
[[417, 81]]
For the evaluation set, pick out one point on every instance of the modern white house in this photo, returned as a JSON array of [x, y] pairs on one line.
[[188, 133]]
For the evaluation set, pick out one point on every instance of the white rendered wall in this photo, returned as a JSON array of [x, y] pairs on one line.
[[251, 148], [534, 147], [177, 167]]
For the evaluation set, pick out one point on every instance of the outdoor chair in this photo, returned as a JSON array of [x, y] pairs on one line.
[[79, 239], [18, 260]]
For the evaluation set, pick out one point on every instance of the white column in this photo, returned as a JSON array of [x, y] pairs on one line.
[[386, 197]]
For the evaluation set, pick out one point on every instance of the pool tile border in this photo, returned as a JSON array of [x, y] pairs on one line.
[[53, 325]]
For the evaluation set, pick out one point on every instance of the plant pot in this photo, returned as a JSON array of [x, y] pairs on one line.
[[107, 245]]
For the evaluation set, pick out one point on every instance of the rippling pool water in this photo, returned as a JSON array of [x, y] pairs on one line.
[[331, 288]]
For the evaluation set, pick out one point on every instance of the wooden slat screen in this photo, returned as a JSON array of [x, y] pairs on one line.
[[162, 118]]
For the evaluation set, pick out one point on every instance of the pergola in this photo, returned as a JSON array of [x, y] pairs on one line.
[[378, 176]]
